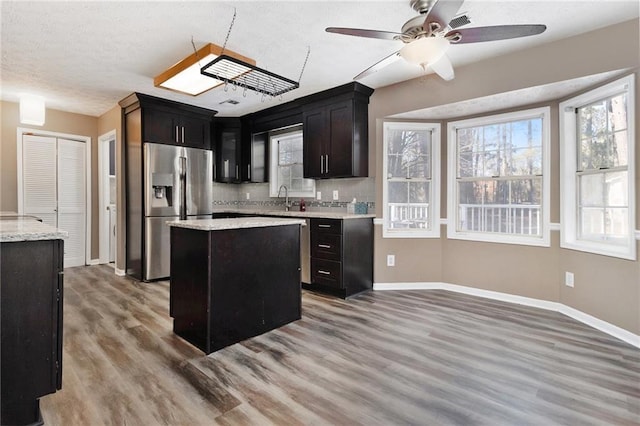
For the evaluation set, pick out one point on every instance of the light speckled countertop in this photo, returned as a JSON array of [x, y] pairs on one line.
[[28, 229], [242, 222], [296, 213]]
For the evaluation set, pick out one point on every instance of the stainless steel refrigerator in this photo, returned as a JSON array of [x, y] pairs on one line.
[[177, 184]]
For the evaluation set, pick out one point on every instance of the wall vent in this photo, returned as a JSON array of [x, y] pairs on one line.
[[229, 101]]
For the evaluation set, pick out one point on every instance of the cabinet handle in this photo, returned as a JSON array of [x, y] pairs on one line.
[[182, 134], [237, 171], [324, 272], [249, 171], [321, 165], [324, 226], [177, 139], [326, 166], [324, 246]]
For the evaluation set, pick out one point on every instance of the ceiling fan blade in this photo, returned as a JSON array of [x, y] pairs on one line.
[[442, 12], [378, 65], [498, 32], [443, 68], [359, 32]]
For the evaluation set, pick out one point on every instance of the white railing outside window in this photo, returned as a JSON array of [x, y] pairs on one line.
[[403, 216], [501, 218]]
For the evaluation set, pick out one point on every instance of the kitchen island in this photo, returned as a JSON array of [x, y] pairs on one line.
[[232, 279], [31, 288]]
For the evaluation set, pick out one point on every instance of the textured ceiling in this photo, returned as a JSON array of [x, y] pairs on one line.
[[84, 57]]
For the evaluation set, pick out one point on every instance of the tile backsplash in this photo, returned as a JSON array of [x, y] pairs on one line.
[[362, 189]]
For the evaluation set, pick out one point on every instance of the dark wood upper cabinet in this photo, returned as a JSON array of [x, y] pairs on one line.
[[172, 123], [336, 135], [227, 150], [240, 156]]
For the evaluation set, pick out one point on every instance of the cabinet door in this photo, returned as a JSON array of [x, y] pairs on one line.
[[314, 131], [257, 167], [195, 132], [339, 154], [160, 127], [227, 158]]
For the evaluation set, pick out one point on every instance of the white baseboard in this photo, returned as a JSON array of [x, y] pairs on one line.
[[120, 272], [93, 262], [598, 324]]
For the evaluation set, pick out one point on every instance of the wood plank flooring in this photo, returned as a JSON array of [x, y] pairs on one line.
[[381, 358]]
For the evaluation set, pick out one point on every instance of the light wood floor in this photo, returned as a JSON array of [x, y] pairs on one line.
[[382, 358]]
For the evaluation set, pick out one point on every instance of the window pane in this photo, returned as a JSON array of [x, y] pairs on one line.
[[408, 205], [525, 161], [591, 190], [617, 189], [409, 153], [592, 223], [527, 192], [620, 149], [617, 224]]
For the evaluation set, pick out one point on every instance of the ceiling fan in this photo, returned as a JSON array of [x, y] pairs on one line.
[[427, 37]]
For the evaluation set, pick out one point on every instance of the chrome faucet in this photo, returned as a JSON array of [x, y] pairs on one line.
[[287, 206]]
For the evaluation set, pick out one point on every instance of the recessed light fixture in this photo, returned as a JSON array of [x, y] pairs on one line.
[[185, 76], [32, 110]]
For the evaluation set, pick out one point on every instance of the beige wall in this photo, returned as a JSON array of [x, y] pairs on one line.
[[112, 120], [56, 121], [605, 287]]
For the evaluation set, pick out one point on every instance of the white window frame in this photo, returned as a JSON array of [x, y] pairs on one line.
[[568, 171], [433, 231], [452, 205], [274, 183]]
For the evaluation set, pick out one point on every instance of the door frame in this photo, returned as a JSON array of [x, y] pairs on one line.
[[103, 195], [22, 131]]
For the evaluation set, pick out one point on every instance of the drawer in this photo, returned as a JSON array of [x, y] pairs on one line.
[[326, 246], [326, 226], [326, 272]]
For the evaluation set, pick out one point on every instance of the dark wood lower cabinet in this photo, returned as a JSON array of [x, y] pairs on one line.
[[341, 256], [229, 285], [31, 290]]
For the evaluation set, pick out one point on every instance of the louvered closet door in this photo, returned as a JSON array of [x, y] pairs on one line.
[[39, 178], [72, 199]]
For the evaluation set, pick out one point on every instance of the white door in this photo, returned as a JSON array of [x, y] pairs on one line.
[[53, 186], [71, 199], [39, 178]]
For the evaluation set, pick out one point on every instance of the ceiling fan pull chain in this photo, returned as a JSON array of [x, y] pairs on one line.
[[233, 20]]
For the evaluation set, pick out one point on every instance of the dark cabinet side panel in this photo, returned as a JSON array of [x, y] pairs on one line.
[[30, 327], [340, 149]]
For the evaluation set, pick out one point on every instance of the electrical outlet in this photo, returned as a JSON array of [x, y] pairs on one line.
[[568, 279], [318, 195], [335, 195], [391, 260], [248, 196]]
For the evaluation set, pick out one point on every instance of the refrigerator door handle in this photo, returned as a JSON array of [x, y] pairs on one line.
[[183, 188]]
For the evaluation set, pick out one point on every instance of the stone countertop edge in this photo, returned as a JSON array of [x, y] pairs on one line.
[[295, 213], [29, 230], [239, 223]]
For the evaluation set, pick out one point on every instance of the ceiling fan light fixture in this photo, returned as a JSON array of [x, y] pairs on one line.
[[424, 51], [185, 76]]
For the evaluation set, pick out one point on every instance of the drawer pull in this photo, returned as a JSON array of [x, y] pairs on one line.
[[324, 226], [327, 246], [324, 272]]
